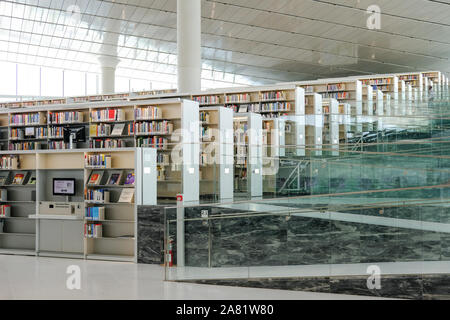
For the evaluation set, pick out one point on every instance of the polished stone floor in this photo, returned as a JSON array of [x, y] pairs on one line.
[[45, 278]]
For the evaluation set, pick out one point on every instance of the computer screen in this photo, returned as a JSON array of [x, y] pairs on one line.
[[63, 187]]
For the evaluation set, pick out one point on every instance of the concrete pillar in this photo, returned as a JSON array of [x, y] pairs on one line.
[[189, 45], [108, 74]]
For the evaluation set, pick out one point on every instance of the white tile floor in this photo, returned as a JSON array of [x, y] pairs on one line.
[[45, 278]]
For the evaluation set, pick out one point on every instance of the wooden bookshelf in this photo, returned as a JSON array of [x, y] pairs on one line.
[[216, 155], [17, 233], [32, 228]]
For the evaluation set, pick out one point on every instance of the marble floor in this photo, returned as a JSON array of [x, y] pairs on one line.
[[45, 278]]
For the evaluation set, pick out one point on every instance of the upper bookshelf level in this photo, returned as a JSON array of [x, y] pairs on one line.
[[112, 124], [84, 99]]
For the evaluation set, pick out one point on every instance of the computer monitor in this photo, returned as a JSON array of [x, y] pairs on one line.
[[74, 134], [63, 186]]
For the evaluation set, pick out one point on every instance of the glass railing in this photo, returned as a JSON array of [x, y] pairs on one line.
[[381, 201]]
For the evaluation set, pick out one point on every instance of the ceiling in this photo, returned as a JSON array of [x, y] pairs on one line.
[[243, 41]]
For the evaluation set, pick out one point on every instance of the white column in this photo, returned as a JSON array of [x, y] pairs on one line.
[[108, 74], [189, 45]]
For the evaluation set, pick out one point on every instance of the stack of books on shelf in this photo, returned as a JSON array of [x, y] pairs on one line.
[[98, 130], [275, 107], [93, 230], [97, 161], [97, 195], [244, 97], [336, 95], [56, 132], [154, 127], [273, 95], [336, 87], [23, 146], [65, 117], [9, 162], [26, 119], [162, 159], [95, 213], [147, 113], [107, 115], [58, 145], [206, 133], [161, 174], [207, 99], [5, 210], [204, 117], [153, 142], [107, 144]]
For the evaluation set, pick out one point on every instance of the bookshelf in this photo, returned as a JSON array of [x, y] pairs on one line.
[[413, 79], [330, 139], [343, 90], [388, 84], [27, 131], [314, 124], [344, 119], [216, 156], [248, 155], [109, 197], [274, 141], [17, 230], [367, 110], [43, 223], [4, 131]]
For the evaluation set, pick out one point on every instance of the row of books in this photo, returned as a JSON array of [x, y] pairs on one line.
[[5, 210], [95, 213], [147, 113], [56, 132], [97, 160], [93, 230], [107, 115], [27, 119], [336, 87], [38, 133], [107, 144], [162, 159], [161, 174], [337, 95], [273, 95], [9, 162], [155, 127], [275, 106], [244, 97], [23, 146], [97, 195], [207, 99], [153, 142], [204, 117], [65, 117], [376, 81], [58, 145], [104, 129]]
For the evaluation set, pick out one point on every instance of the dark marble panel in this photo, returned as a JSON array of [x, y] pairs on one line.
[[344, 242], [398, 286], [436, 287], [150, 238]]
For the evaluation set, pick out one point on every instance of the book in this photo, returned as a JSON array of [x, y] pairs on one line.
[[114, 178], [2, 181], [32, 180], [118, 129], [129, 179], [95, 178], [127, 195], [3, 194], [18, 178]]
